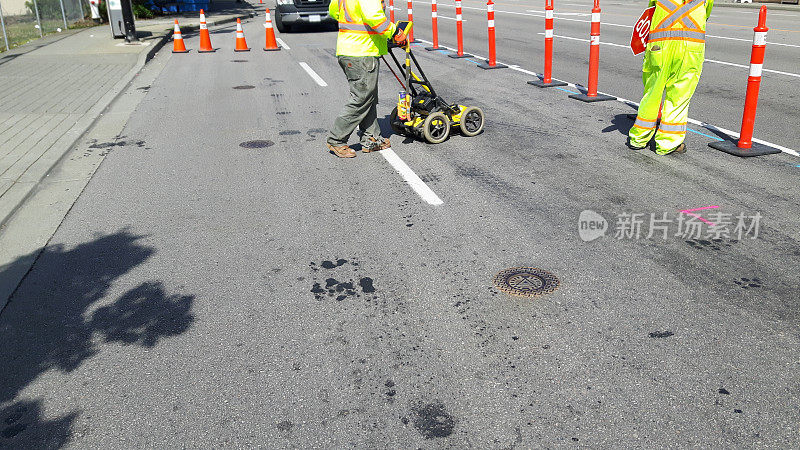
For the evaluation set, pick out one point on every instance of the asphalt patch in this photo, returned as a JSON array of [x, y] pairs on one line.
[[256, 144], [432, 420], [245, 86]]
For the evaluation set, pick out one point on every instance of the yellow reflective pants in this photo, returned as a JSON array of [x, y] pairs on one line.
[[673, 66]]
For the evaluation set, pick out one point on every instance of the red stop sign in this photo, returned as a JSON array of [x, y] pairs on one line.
[[641, 31]]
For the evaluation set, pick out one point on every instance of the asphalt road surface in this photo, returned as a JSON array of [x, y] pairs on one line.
[[204, 294]]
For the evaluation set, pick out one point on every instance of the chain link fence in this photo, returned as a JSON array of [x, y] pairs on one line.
[[24, 20]]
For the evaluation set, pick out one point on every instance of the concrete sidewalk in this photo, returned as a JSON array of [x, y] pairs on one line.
[[51, 92]]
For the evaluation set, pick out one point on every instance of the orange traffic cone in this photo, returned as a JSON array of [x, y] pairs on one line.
[[205, 38], [270, 45], [241, 44], [177, 40]]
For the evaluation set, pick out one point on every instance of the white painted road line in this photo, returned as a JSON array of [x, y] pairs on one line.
[[282, 44], [448, 18], [788, 74], [313, 74], [708, 126], [411, 178]]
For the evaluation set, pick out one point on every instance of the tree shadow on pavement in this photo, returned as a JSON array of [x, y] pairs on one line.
[[62, 314]]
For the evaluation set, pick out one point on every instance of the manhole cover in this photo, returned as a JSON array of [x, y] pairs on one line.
[[256, 144], [526, 281], [244, 86]]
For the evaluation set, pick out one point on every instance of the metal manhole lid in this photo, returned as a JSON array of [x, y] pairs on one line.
[[256, 144], [526, 281]]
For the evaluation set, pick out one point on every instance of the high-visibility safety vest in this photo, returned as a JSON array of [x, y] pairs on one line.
[[680, 20], [363, 27]]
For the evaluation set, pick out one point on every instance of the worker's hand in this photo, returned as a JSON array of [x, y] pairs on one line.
[[400, 37]]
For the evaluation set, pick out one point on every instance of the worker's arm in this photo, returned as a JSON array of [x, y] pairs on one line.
[[333, 9], [374, 16], [709, 5]]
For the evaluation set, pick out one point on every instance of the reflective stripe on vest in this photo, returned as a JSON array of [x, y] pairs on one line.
[[677, 34], [348, 25], [679, 17], [676, 13]]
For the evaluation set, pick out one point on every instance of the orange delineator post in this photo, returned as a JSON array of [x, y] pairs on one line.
[[391, 11], [745, 145], [205, 37], [491, 63], [594, 61], [270, 44], [241, 43], [459, 35], [411, 19], [434, 27], [177, 40], [547, 78]]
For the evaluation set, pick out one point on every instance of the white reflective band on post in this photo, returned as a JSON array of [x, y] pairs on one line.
[[491, 23], [268, 18], [268, 25], [433, 2], [203, 26], [490, 8], [391, 7], [410, 11], [548, 14], [595, 40], [458, 17], [755, 70], [433, 14], [760, 38], [202, 17], [548, 34], [595, 17], [458, 4], [239, 34]]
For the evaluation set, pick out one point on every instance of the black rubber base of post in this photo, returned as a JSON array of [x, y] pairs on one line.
[[542, 84], [185, 51], [486, 66], [456, 55], [731, 148], [271, 49], [206, 51], [245, 50], [596, 98], [432, 49]]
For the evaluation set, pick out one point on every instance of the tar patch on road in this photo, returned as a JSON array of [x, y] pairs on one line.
[[661, 334], [339, 289], [239, 60], [526, 281], [432, 420], [256, 144], [245, 86], [747, 283]]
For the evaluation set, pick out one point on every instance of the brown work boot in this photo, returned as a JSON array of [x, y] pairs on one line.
[[342, 151], [679, 149], [375, 145]]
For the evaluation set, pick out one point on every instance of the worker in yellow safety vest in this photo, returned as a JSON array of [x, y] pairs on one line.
[[673, 62], [363, 33]]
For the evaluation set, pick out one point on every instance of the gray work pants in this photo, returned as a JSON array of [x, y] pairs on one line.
[[362, 109]]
